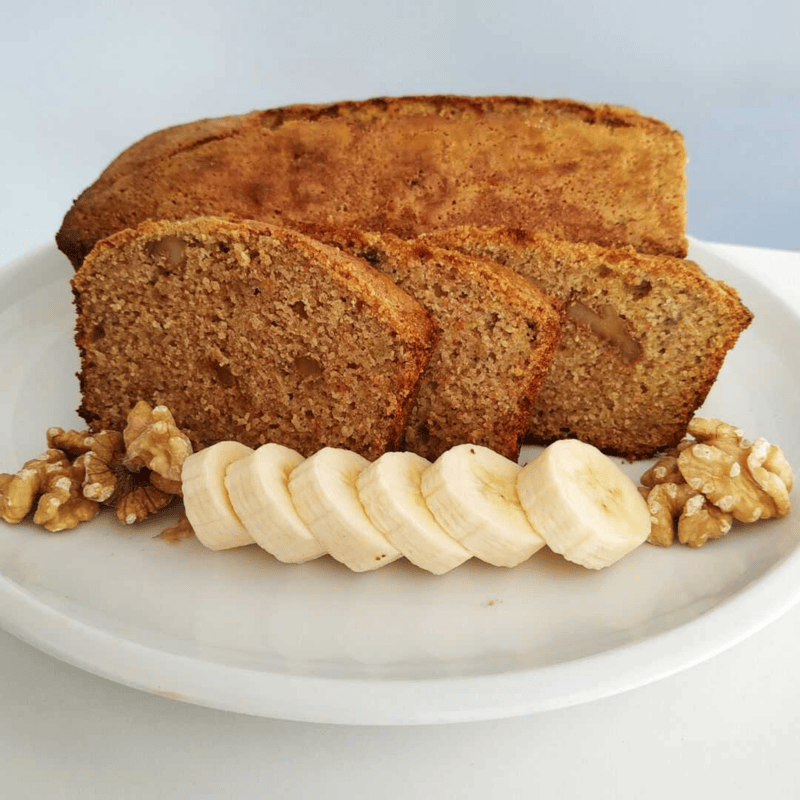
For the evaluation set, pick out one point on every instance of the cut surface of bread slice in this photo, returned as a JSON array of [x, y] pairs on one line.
[[642, 342], [584, 172], [248, 332], [498, 337]]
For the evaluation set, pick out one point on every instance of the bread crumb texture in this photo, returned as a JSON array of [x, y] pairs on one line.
[[498, 334], [250, 333], [642, 342]]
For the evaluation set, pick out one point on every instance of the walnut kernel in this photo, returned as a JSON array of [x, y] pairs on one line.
[[137, 472], [51, 483], [153, 440], [752, 481], [707, 482]]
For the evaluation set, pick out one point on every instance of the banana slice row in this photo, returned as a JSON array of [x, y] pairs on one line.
[[470, 502]]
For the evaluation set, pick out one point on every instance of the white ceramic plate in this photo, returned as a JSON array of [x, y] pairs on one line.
[[237, 630]]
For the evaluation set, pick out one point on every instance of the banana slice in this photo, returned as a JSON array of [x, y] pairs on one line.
[[324, 492], [582, 504], [205, 498], [258, 488], [390, 492], [472, 493]]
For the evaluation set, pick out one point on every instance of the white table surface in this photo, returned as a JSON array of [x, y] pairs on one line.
[[729, 727]]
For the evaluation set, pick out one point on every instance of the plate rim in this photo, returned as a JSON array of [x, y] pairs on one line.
[[399, 702]]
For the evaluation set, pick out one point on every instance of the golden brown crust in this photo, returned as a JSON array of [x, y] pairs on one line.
[[247, 332], [406, 165], [642, 344]]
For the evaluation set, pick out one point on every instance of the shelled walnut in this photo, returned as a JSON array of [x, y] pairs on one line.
[[712, 479], [51, 484], [153, 440], [136, 471], [750, 480]]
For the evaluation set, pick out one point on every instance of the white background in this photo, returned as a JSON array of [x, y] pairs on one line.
[[81, 81]]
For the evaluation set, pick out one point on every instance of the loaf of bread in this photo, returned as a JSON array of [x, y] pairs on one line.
[[643, 339], [589, 173], [498, 337], [248, 332]]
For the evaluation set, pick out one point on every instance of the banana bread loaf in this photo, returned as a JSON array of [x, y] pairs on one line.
[[642, 342], [248, 332], [583, 172], [498, 337]]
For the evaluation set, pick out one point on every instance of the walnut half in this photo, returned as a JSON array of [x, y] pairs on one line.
[[153, 440], [707, 482], [752, 481]]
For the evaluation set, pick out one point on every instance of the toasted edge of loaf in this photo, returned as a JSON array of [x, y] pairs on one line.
[[303, 162]]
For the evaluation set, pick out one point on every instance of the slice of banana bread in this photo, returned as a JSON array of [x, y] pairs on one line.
[[498, 337], [248, 332], [406, 165], [643, 339]]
